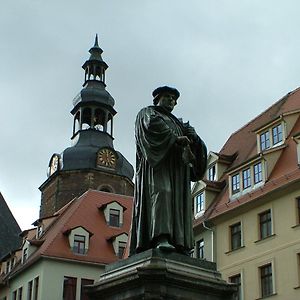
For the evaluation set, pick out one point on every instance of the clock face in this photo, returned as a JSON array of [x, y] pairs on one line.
[[54, 164], [106, 158]]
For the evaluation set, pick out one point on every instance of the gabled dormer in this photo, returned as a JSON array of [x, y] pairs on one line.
[[203, 194], [8, 262], [42, 225], [113, 213], [274, 133], [79, 239], [217, 165], [119, 243]]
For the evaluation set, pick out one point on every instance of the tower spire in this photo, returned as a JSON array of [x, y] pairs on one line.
[[96, 41], [95, 67]]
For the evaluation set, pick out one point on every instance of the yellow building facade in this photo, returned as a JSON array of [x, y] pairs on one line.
[[247, 208]]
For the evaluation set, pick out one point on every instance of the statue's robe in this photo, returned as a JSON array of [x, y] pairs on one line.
[[162, 199]]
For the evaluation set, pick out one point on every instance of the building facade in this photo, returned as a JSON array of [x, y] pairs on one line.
[[68, 250], [247, 208]]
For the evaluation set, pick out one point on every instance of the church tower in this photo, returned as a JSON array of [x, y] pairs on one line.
[[91, 162]]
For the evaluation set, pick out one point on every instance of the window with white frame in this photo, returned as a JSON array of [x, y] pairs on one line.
[[277, 135], [121, 249], [246, 178], [212, 173], [271, 137], [25, 254], [79, 244], [265, 140], [200, 249], [266, 280], [200, 203], [235, 183], [250, 177], [258, 176]]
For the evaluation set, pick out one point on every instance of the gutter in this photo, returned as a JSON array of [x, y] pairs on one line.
[[212, 239]]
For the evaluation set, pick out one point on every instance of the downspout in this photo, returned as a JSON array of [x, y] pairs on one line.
[[212, 240]]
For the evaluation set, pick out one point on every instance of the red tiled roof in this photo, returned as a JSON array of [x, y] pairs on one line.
[[244, 143], [84, 212]]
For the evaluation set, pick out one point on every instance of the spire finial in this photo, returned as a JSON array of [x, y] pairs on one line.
[[96, 41]]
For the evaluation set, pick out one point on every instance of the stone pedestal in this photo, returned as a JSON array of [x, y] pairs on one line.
[[155, 274]]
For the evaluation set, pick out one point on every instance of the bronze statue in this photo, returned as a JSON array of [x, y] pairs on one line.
[[169, 156]]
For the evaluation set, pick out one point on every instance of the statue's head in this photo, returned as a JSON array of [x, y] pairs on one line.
[[166, 97]]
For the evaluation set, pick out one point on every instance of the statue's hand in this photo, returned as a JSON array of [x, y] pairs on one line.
[[183, 140]]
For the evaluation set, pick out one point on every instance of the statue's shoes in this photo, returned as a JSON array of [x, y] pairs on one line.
[[165, 246]]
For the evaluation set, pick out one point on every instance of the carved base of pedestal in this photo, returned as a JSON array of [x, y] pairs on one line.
[[155, 274]]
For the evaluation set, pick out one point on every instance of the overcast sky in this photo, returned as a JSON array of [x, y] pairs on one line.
[[229, 59]]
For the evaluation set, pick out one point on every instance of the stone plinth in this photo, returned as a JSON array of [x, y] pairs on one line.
[[154, 274]]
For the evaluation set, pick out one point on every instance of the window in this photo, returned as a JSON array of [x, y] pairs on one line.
[[265, 224], [20, 293], [246, 178], [200, 249], [236, 236], [114, 217], [257, 173], [277, 134], [84, 282], [36, 288], [298, 209], [29, 290], [14, 295], [7, 266], [39, 231], [266, 281], [237, 280], [69, 291], [25, 254], [121, 249], [199, 202], [212, 173], [79, 244], [265, 140], [235, 180]]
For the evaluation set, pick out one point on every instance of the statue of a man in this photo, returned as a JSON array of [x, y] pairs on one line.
[[169, 156]]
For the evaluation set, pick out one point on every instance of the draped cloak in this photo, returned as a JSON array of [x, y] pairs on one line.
[[162, 199]]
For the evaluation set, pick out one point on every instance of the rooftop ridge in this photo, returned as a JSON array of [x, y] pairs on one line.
[[282, 99]]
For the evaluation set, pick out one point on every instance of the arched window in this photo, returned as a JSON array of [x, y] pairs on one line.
[[106, 188], [86, 118], [76, 126], [99, 120]]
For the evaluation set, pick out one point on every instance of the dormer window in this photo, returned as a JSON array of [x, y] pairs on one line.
[[235, 181], [277, 134], [200, 203], [264, 140], [79, 244], [212, 173], [119, 244], [114, 217], [251, 177], [113, 213], [39, 231], [271, 136], [79, 238], [258, 176], [121, 250], [246, 178], [25, 254]]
